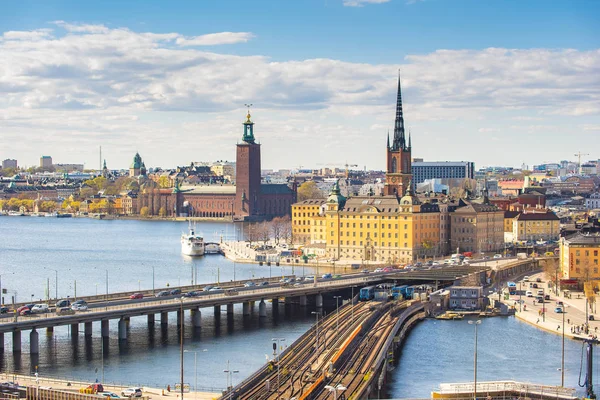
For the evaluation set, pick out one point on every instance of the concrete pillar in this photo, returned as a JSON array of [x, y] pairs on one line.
[[49, 329], [34, 342], [288, 301], [196, 318], [74, 330], [275, 303], [87, 328], [16, 341], [179, 317], [164, 318], [319, 300], [229, 308], [246, 308], [217, 311], [104, 328], [1, 342], [262, 308], [303, 301], [122, 329], [151, 319]]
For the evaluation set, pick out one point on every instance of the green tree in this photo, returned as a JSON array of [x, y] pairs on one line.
[[145, 211], [162, 212], [309, 190]]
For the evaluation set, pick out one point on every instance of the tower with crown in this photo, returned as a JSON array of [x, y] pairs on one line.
[[247, 186], [398, 172]]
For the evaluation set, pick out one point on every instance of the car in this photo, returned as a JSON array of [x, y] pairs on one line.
[[215, 289], [535, 286], [40, 308], [175, 292], [249, 284], [497, 255], [193, 293], [3, 310], [136, 296], [547, 297], [337, 276], [365, 271], [265, 283], [435, 263], [109, 394], [132, 392], [526, 278], [297, 284], [540, 292], [326, 276], [529, 293], [560, 303], [163, 293], [558, 310], [63, 303], [309, 278], [65, 311], [79, 307], [538, 280], [540, 299], [26, 306], [591, 318], [378, 270], [207, 288], [25, 311]]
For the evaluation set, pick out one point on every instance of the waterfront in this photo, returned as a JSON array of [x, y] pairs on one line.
[[435, 352]]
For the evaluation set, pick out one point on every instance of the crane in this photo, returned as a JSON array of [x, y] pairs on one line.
[[579, 154], [336, 164]]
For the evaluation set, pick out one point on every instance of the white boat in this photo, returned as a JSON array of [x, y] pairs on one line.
[[51, 214], [192, 244], [16, 213]]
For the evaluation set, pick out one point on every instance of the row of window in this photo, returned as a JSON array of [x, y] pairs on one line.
[[587, 253]]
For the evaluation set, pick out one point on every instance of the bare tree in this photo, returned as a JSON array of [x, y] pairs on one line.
[[264, 230], [252, 233], [278, 228]]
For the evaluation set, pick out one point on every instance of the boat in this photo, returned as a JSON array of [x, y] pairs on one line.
[[192, 244], [16, 214], [51, 214], [212, 248], [64, 215]]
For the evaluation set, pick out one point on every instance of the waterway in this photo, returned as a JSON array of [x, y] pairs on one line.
[[82, 250]]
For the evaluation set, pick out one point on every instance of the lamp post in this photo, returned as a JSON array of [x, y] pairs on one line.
[[316, 314], [335, 389], [478, 322], [230, 373], [55, 282], [337, 314], [276, 351]]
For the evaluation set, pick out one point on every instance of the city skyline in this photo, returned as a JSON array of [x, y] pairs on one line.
[[76, 77]]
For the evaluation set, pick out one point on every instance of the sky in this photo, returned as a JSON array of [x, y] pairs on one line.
[[494, 82]]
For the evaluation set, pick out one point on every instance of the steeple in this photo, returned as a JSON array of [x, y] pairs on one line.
[[409, 144], [388, 142], [248, 128], [399, 137]]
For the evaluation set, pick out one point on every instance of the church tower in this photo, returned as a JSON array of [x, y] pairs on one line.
[[399, 171], [247, 185]]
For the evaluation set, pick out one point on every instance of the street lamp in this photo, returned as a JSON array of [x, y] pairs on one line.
[[337, 314], [230, 373], [195, 370], [181, 345], [276, 350], [55, 282], [316, 314], [478, 322], [335, 389]]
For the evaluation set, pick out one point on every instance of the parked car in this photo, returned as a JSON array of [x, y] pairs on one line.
[[40, 308], [132, 392], [547, 297], [535, 286], [207, 288], [249, 284], [538, 280], [163, 293], [539, 299], [175, 291], [326, 276], [526, 278], [136, 296], [63, 303], [79, 307]]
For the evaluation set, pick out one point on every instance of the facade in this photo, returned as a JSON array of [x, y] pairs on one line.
[[8, 163], [304, 214], [137, 167], [535, 226], [224, 169], [593, 202], [466, 298], [477, 227], [45, 162], [423, 171], [68, 167], [580, 256]]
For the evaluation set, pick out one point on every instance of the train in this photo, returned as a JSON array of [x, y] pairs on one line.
[[367, 293]]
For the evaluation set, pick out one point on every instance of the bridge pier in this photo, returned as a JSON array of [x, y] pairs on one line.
[[303, 301], [319, 300], [122, 329], [87, 329], [229, 308], [262, 308], [196, 318], [74, 330], [34, 342], [246, 308], [151, 319], [288, 301], [49, 330], [1, 342], [179, 317], [16, 341], [275, 303], [104, 328], [164, 318], [217, 311]]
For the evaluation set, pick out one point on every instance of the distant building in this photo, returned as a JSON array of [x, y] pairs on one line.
[[477, 227], [225, 169], [535, 226], [45, 162], [593, 202], [423, 170], [68, 167], [137, 167], [466, 298], [8, 163], [579, 257]]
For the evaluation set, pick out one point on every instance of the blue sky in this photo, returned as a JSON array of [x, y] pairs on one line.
[[477, 74]]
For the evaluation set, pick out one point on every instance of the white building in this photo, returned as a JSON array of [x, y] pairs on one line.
[[593, 202]]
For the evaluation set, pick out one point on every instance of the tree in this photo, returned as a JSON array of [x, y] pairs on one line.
[[86, 192], [264, 232], [309, 190], [48, 206], [252, 233], [278, 228], [162, 212], [145, 211], [164, 182]]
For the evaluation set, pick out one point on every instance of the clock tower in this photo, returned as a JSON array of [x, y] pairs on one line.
[[399, 172]]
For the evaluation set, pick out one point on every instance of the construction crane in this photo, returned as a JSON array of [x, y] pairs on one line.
[[579, 154], [335, 164]]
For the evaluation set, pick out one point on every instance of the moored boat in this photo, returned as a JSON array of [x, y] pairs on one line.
[[192, 244]]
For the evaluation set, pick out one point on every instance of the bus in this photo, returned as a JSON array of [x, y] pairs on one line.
[[512, 287], [367, 293], [399, 291]]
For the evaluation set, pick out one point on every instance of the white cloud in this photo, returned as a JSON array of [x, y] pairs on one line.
[[99, 85], [361, 3], [213, 39]]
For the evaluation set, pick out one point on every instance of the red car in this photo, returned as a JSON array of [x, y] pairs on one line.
[[136, 296], [23, 308], [25, 311]]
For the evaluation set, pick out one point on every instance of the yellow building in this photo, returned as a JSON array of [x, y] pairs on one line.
[[509, 217], [536, 226], [303, 215], [579, 256]]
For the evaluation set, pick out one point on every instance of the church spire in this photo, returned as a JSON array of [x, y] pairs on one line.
[[399, 137], [409, 144], [388, 142]]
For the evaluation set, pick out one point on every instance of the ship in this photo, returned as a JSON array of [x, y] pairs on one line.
[[192, 244]]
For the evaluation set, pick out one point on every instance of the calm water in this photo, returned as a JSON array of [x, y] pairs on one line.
[[83, 249]]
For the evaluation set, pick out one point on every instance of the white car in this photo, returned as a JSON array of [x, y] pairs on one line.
[[378, 270], [40, 308], [79, 307], [529, 293], [132, 392], [497, 255]]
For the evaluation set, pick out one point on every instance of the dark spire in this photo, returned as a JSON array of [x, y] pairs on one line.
[[409, 145], [388, 142], [399, 138]]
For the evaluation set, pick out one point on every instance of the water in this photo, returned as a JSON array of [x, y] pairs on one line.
[[83, 249]]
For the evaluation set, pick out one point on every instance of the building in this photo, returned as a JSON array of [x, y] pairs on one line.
[[68, 167], [477, 227], [137, 167], [466, 298], [533, 226], [8, 163], [225, 169], [593, 202], [423, 170], [579, 257], [45, 162], [303, 220]]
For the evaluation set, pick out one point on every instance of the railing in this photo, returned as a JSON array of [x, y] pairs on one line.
[[507, 386]]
